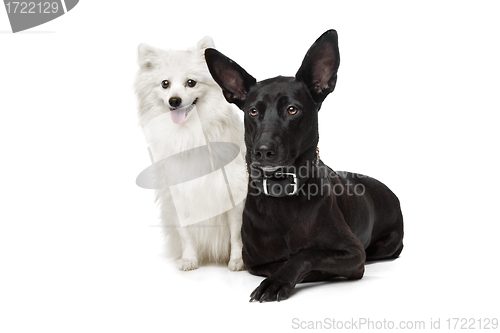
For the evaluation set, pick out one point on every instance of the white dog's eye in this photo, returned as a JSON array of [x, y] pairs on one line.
[[164, 84], [191, 83]]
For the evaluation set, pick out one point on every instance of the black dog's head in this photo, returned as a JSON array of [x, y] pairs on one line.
[[281, 114]]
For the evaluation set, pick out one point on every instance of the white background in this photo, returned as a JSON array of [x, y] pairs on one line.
[[416, 106]]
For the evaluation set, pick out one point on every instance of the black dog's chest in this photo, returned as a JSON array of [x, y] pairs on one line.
[[274, 244], [280, 228]]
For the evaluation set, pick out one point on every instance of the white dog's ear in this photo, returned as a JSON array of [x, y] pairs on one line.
[[147, 55], [205, 43]]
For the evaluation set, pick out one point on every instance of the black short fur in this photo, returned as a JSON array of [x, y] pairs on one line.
[[337, 220]]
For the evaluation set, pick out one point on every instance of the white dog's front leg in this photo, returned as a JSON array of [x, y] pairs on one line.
[[234, 220], [189, 259]]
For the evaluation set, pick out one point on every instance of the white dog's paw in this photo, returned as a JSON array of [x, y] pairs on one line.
[[236, 264], [187, 264]]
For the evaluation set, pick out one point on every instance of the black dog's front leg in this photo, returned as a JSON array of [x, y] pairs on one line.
[[307, 265]]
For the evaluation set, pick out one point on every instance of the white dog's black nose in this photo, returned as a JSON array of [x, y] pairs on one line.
[[175, 101]]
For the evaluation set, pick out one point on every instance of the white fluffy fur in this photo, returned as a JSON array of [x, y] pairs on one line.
[[217, 239]]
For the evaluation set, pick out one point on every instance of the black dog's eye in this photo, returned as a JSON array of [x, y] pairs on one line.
[[164, 84], [292, 110], [253, 112], [191, 83]]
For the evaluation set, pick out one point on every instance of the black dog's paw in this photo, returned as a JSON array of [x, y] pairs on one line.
[[272, 290]]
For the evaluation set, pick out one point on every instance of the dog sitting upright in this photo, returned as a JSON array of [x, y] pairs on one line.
[[302, 221], [194, 137]]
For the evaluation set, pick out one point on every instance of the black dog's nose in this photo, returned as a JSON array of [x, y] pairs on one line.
[[265, 152], [175, 101]]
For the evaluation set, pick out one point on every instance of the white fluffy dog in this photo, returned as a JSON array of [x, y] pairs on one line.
[[192, 131]]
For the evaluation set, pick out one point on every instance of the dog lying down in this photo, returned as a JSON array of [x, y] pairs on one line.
[[302, 221]]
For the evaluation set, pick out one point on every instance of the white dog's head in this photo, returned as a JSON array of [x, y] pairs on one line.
[[172, 81]]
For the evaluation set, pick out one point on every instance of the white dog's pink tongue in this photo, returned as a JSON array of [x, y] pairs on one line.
[[178, 115]]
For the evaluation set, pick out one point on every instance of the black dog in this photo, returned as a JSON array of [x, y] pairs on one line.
[[302, 221]]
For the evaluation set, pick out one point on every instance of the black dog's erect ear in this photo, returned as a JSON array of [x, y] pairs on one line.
[[234, 80], [319, 67]]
